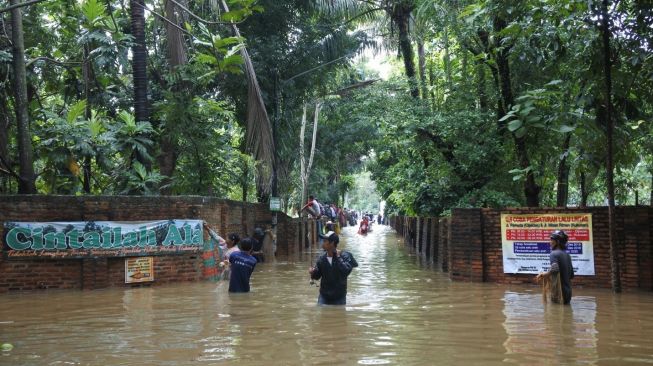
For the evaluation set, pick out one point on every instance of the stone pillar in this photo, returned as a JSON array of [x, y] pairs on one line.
[[443, 244], [418, 234], [466, 246]]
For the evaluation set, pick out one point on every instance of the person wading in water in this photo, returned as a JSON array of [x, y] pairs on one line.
[[333, 267], [561, 272]]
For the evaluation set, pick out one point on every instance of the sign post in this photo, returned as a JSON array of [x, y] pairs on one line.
[[526, 244], [275, 204], [139, 269]]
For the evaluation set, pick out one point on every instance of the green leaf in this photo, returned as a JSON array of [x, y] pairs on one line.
[[521, 132], [76, 110], [507, 116], [206, 59], [566, 128], [524, 112], [140, 170], [93, 10], [224, 42], [515, 125], [553, 82], [95, 127]]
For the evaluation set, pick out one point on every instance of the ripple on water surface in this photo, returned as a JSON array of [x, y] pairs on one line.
[[399, 311]]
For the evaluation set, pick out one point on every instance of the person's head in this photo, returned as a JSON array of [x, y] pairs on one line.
[[311, 198], [259, 234], [232, 239], [247, 244], [559, 240], [331, 241]]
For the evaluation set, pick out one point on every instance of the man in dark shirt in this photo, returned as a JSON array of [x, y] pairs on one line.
[[242, 266], [333, 267], [560, 264]]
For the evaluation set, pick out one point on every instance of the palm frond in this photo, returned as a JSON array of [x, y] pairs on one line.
[[259, 140]]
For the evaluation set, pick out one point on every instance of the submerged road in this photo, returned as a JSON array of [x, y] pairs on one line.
[[399, 312]]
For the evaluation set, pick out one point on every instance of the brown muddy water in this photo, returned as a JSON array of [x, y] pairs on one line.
[[399, 312]]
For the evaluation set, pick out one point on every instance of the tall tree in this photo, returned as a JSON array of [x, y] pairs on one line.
[[139, 68], [607, 63], [177, 57], [400, 13], [26, 183]]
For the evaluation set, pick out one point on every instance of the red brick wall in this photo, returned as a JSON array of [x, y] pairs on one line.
[[223, 215], [466, 245], [469, 245]]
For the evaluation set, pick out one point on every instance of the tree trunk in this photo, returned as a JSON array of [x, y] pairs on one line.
[[26, 183], [650, 202], [86, 73], [421, 57], [531, 189], [245, 181], [177, 56], [302, 159], [563, 175], [139, 70], [447, 61], [5, 121], [607, 64], [139, 61], [176, 43], [306, 167], [583, 190], [480, 84], [401, 17], [432, 83]]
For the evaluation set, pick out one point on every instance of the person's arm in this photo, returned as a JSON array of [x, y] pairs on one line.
[[315, 272], [352, 260], [555, 268], [342, 265]]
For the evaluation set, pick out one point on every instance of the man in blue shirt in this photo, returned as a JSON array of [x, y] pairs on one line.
[[333, 267], [242, 266]]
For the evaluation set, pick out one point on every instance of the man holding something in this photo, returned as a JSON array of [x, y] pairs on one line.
[[333, 267]]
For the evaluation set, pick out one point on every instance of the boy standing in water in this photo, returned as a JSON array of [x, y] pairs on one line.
[[242, 266], [333, 267]]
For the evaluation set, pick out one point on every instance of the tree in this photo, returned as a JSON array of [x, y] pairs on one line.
[[27, 178], [139, 68]]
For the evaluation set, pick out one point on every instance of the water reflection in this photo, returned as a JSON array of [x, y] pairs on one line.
[[398, 312], [540, 333]]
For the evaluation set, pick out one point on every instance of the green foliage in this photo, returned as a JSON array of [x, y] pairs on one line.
[[456, 146]]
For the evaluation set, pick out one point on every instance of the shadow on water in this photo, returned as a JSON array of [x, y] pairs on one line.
[[399, 311]]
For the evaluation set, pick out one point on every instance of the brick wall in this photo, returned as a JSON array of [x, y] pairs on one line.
[[469, 245], [223, 215]]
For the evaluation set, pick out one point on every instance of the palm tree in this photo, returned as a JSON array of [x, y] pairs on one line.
[[399, 12], [139, 67]]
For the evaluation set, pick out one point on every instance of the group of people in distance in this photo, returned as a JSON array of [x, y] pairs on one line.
[[333, 266], [331, 211]]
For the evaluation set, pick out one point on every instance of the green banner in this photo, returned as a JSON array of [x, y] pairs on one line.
[[101, 238]]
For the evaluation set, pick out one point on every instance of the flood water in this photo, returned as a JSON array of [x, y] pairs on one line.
[[399, 311]]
